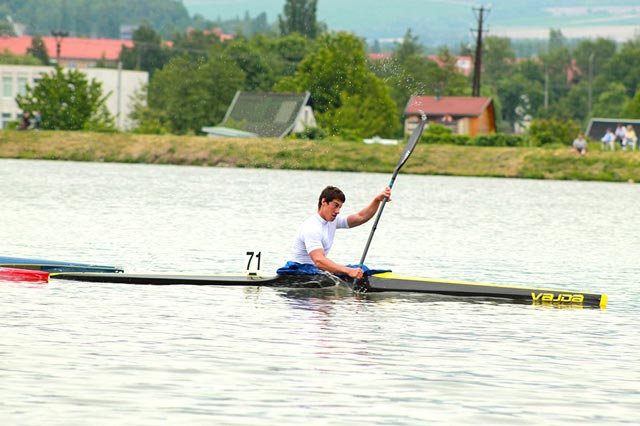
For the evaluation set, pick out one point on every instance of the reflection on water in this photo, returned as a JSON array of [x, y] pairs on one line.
[[209, 355]]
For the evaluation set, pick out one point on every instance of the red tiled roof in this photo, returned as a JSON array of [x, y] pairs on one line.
[[451, 105], [379, 56], [70, 48]]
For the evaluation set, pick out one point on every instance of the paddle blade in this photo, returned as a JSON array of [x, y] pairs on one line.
[[412, 142]]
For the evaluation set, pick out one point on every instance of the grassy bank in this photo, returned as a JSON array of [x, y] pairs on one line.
[[536, 163]]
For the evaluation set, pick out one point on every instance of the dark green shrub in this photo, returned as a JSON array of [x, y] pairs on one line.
[[499, 139], [313, 133], [552, 130]]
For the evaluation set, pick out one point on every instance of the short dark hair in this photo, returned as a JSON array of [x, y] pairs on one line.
[[331, 193]]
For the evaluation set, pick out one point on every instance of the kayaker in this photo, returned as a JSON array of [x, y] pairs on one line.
[[315, 236]]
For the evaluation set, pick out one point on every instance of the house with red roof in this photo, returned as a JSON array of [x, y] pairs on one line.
[[465, 115], [75, 52]]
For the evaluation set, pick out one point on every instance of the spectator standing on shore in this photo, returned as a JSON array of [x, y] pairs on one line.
[[630, 138], [26, 121], [608, 140], [36, 121], [621, 133], [580, 144]]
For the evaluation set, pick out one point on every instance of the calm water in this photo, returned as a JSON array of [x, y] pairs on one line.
[[100, 354]]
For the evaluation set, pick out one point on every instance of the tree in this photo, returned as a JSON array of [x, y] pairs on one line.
[[623, 66], [611, 102], [6, 29], [593, 54], [38, 50], [520, 99], [337, 76], [8, 58], [556, 60], [147, 54], [497, 59], [409, 48], [192, 94], [257, 70], [299, 17], [364, 115], [68, 101]]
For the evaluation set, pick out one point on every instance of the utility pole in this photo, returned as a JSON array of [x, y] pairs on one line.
[[477, 63], [58, 35]]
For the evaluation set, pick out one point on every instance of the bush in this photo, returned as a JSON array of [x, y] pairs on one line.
[[499, 139], [313, 133], [437, 129], [448, 139], [552, 130]]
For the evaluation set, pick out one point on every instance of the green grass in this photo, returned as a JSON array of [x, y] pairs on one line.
[[533, 163]]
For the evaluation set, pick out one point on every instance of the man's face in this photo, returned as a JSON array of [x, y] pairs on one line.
[[329, 210]]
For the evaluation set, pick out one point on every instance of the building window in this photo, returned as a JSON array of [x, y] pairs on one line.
[[22, 85], [7, 86], [6, 119]]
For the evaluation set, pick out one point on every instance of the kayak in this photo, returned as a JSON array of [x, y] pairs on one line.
[[54, 265], [15, 274], [376, 283]]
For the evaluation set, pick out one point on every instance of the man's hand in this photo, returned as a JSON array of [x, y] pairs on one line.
[[355, 273], [385, 193]]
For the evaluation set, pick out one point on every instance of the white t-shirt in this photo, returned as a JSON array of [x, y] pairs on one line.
[[315, 233]]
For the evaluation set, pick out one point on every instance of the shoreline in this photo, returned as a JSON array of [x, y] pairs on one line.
[[431, 159]]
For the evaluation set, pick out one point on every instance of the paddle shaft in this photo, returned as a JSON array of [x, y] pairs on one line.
[[375, 222], [411, 144]]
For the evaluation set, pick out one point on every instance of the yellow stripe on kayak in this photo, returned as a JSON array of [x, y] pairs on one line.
[[391, 275]]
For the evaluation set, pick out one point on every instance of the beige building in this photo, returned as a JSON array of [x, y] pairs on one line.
[[121, 85]]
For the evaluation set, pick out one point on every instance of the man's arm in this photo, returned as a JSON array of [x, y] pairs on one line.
[[357, 219], [326, 264]]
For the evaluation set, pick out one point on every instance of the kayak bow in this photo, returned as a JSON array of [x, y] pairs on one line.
[[15, 274]]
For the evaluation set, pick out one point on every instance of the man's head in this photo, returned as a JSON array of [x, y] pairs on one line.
[[330, 202]]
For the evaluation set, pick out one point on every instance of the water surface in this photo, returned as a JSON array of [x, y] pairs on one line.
[[101, 354]]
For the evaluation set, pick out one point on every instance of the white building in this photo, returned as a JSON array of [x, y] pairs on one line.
[[121, 85]]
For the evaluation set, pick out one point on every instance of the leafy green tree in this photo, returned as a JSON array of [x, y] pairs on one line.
[[148, 53], [257, 69], [576, 101], [556, 61], [497, 60], [299, 16], [290, 50], [591, 55], [8, 58], [337, 76], [416, 74], [624, 65], [611, 102], [373, 114], [68, 101], [192, 94], [553, 131], [146, 119], [196, 43], [409, 48], [632, 106], [6, 29], [38, 50], [520, 98]]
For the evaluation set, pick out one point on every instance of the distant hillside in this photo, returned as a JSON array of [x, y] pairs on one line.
[[95, 18], [439, 22], [435, 22]]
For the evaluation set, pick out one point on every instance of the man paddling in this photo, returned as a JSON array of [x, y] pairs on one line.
[[315, 236]]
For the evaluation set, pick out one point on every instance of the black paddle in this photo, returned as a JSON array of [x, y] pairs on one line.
[[408, 149]]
